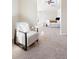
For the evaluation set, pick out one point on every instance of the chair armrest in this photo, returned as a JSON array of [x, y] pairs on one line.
[[25, 33], [22, 32], [32, 28], [35, 29]]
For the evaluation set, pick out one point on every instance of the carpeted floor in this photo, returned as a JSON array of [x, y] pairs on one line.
[[51, 45]]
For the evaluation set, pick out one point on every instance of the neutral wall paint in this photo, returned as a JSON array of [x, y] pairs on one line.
[[47, 12], [15, 12], [28, 11], [64, 17], [32, 10]]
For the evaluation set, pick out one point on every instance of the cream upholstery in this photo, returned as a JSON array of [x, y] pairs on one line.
[[23, 26], [32, 36]]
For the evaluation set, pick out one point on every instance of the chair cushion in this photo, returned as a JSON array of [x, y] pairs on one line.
[[31, 33], [23, 26], [32, 36]]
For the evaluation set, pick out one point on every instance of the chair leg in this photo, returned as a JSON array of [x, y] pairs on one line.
[[15, 37], [25, 48], [37, 40], [46, 25], [25, 41]]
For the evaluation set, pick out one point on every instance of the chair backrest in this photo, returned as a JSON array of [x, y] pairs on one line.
[[23, 26]]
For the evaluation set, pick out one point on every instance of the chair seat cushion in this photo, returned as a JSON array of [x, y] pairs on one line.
[[31, 33], [31, 37]]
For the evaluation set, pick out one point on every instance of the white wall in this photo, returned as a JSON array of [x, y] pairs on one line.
[[32, 10], [47, 12], [59, 8], [14, 7], [64, 17], [28, 11], [15, 12]]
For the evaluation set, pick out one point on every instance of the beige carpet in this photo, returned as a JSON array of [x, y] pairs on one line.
[[51, 45]]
